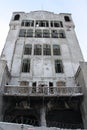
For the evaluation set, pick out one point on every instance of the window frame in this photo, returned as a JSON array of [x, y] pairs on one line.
[[59, 66], [26, 66]]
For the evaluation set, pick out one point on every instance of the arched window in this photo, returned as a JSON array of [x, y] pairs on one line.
[[17, 17], [67, 19]]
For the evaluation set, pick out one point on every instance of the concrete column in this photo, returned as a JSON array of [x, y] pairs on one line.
[[42, 116]]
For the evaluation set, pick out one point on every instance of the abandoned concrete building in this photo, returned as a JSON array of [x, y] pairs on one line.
[[43, 73]]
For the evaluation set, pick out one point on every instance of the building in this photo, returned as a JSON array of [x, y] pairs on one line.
[[41, 78]]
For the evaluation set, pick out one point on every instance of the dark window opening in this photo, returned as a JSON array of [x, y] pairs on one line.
[[26, 65], [61, 24], [61, 34], [56, 24], [37, 49], [38, 33], [28, 49], [28, 23], [17, 17], [58, 66], [54, 34], [46, 33], [46, 49], [34, 84], [67, 19], [41, 23], [50, 84], [51, 90], [56, 50]]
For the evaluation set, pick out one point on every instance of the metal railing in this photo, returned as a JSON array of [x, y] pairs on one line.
[[42, 91]]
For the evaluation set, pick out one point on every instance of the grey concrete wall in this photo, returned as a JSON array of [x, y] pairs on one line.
[[14, 47], [81, 79]]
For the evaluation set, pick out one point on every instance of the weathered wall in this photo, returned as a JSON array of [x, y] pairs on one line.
[[81, 79], [4, 79]]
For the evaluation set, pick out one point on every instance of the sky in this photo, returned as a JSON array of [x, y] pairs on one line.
[[78, 9]]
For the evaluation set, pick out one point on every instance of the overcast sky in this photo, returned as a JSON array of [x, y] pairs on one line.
[[78, 9]]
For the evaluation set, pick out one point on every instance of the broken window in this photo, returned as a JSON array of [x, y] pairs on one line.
[[58, 66], [54, 34], [42, 23], [37, 49], [26, 65], [51, 84], [51, 90], [56, 24], [22, 33], [28, 49], [61, 34], [38, 33], [17, 17], [29, 33], [67, 19], [46, 33], [28, 23], [56, 50], [34, 84], [46, 49]]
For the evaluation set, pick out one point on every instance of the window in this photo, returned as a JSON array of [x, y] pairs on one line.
[[46, 49], [42, 23], [56, 24], [24, 83], [29, 33], [56, 50], [38, 33], [46, 33], [26, 65], [28, 23], [37, 49], [67, 19], [61, 34], [51, 90], [54, 34], [28, 49], [17, 17], [58, 66], [22, 33], [51, 84], [61, 24], [34, 84]]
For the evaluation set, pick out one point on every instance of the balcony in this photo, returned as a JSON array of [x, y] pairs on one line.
[[42, 91]]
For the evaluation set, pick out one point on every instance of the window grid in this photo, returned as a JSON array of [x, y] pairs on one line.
[[27, 23], [46, 49], [56, 50], [37, 49], [28, 49], [42, 33], [26, 65]]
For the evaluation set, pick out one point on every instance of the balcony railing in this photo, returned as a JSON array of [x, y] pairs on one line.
[[42, 91]]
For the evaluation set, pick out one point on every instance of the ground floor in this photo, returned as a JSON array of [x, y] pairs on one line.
[[59, 112]]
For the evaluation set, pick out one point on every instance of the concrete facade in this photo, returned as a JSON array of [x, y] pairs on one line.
[[39, 62]]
